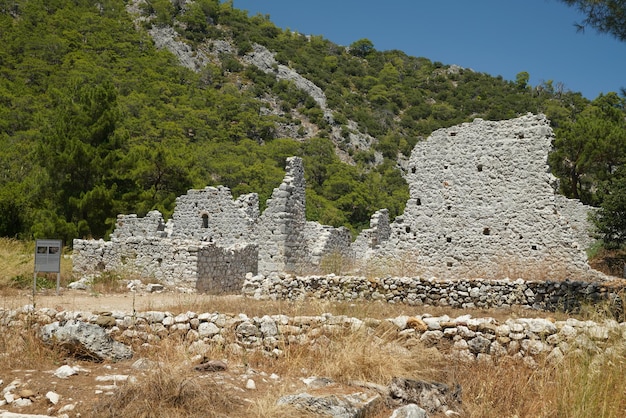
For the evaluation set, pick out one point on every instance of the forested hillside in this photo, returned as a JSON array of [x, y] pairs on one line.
[[95, 120]]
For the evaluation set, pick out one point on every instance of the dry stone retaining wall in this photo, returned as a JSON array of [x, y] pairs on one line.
[[463, 337], [463, 293]]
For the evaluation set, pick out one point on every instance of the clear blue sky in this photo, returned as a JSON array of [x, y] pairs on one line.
[[498, 37]]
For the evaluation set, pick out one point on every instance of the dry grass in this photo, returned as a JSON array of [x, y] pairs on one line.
[[20, 345], [584, 384], [169, 392], [17, 266]]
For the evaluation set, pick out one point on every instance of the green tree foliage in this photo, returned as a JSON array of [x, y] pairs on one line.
[[361, 48], [590, 148], [606, 16], [95, 121], [611, 217]]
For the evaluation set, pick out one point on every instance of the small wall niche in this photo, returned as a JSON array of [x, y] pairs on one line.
[[418, 202], [479, 167], [448, 239], [486, 231]]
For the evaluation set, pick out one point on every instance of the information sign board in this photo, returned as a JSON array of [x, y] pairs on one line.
[[48, 255]]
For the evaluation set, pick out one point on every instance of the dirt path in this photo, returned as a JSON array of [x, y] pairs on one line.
[[77, 300]]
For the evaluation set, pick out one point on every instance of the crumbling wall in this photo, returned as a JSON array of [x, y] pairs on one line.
[[482, 196], [324, 240], [482, 204], [212, 215], [577, 214], [172, 262], [152, 225], [378, 232], [281, 229]]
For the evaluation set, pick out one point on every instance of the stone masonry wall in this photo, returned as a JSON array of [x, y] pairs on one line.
[[371, 238], [482, 196], [223, 270], [323, 240], [282, 224], [183, 264], [171, 262], [132, 226], [482, 202], [212, 215], [464, 337], [459, 293]]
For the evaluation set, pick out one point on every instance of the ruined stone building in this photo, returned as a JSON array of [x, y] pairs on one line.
[[213, 240], [482, 200]]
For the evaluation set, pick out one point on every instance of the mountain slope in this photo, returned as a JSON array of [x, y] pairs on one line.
[[111, 107]]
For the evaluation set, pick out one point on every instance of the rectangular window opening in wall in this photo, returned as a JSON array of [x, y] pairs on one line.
[[534, 247], [418, 201], [205, 220], [449, 264], [448, 239], [479, 167], [486, 231]]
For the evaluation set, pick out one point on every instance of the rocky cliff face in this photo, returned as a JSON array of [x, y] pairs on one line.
[[196, 58]]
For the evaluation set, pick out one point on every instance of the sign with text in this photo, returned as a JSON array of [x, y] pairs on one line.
[[48, 255]]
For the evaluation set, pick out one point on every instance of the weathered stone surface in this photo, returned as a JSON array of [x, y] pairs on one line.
[[409, 411], [339, 406], [481, 194], [433, 397], [85, 340], [481, 198]]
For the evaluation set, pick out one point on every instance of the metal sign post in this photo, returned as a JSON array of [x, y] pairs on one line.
[[48, 259]]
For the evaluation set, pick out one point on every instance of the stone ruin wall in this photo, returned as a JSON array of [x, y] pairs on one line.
[[211, 242], [212, 215], [282, 224], [223, 270], [482, 200]]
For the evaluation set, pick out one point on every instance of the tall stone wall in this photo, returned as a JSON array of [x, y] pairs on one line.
[[282, 225], [482, 196], [577, 217]]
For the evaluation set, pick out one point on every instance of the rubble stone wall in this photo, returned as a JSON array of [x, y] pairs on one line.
[[463, 337], [482, 201], [212, 215], [281, 230], [458, 293], [176, 263], [133, 226]]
